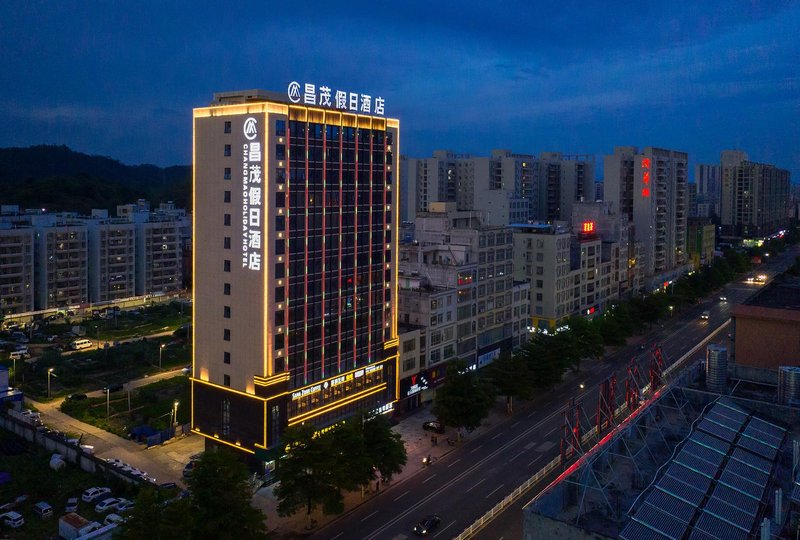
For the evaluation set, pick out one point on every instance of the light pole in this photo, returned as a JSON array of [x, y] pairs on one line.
[[49, 373], [160, 350], [108, 402], [14, 373], [175, 412]]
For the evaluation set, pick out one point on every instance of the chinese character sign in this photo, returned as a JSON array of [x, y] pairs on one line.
[[645, 177], [252, 205], [324, 96]]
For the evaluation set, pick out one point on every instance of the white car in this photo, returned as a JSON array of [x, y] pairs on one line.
[[113, 518], [72, 505], [13, 519], [123, 505], [106, 504], [94, 493]]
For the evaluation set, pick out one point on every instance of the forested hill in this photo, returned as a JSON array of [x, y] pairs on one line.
[[60, 179]]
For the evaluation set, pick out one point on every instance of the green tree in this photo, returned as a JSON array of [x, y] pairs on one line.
[[464, 399], [545, 367], [512, 378], [155, 518], [310, 474], [385, 448], [589, 341], [220, 503]]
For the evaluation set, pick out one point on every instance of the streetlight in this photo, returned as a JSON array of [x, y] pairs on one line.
[[108, 402], [175, 412], [49, 373], [670, 310], [160, 350]]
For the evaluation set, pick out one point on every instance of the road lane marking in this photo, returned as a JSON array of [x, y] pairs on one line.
[[498, 435], [338, 535], [516, 456], [515, 423], [453, 463], [440, 532], [401, 496], [369, 516], [481, 481], [493, 491], [534, 461], [475, 449], [551, 431], [428, 479]]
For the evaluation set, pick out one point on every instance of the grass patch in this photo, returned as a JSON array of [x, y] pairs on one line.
[[151, 404]]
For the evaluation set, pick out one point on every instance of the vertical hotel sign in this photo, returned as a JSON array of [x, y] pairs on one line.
[[252, 190], [645, 177]]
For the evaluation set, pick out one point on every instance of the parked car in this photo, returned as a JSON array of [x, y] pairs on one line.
[[124, 505], [109, 503], [111, 388], [94, 493], [188, 469], [13, 519], [113, 518], [433, 425], [427, 524], [72, 505], [43, 510], [18, 355], [76, 397]]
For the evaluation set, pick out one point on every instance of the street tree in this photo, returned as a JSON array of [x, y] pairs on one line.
[[310, 474], [464, 399], [154, 517], [385, 448], [221, 499], [588, 339], [512, 377]]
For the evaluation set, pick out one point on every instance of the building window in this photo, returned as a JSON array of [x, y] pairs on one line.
[[280, 199], [280, 128], [226, 381], [226, 242], [280, 151], [539, 297], [227, 220], [226, 312], [226, 357], [409, 346], [226, 289], [227, 127], [227, 150], [227, 173], [280, 318], [226, 334], [227, 196], [226, 265]]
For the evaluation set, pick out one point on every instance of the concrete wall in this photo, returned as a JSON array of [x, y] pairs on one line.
[[767, 342], [537, 526]]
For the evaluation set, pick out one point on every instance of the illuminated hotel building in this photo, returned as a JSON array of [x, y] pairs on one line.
[[295, 286]]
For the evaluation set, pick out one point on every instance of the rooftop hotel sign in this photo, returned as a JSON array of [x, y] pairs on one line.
[[252, 205], [323, 96]]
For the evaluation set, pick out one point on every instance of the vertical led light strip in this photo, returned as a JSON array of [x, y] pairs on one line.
[[267, 176], [194, 259], [355, 245], [324, 242], [305, 263], [339, 325], [287, 345], [371, 250]]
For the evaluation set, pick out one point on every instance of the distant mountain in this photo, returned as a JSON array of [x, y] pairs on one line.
[[60, 179]]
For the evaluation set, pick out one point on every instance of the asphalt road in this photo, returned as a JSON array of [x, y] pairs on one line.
[[464, 484]]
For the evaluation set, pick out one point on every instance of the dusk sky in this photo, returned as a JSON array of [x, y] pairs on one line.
[[120, 79]]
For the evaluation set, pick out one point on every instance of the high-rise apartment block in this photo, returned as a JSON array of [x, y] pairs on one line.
[[16, 269], [112, 258], [62, 262], [651, 187], [295, 286], [708, 178], [755, 197], [563, 180]]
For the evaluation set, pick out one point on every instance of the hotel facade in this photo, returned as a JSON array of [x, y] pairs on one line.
[[295, 263]]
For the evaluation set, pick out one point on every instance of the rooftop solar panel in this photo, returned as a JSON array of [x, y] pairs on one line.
[[718, 528], [680, 490], [715, 458], [671, 505], [636, 531], [738, 499], [768, 427], [745, 471], [729, 408], [688, 476], [709, 441], [716, 430], [669, 526], [767, 452], [727, 512], [795, 497], [748, 458], [697, 464], [723, 420], [697, 534], [741, 484], [755, 433]]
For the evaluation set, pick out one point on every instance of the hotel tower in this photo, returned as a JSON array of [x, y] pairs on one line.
[[295, 263]]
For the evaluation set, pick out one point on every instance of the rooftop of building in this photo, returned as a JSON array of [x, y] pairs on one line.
[[540, 228], [782, 293]]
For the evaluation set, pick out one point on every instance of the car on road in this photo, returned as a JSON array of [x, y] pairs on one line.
[[94, 493], [72, 505], [427, 524], [109, 503], [111, 388], [76, 397], [433, 425], [723, 298], [705, 315]]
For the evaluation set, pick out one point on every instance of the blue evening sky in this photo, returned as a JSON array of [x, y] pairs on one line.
[[120, 78]]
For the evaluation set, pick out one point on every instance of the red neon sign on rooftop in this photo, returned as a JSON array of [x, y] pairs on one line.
[[588, 226]]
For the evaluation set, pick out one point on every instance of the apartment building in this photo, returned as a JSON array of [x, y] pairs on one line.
[[61, 261], [112, 257], [755, 197], [700, 245], [651, 187], [16, 269], [562, 181], [708, 178]]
